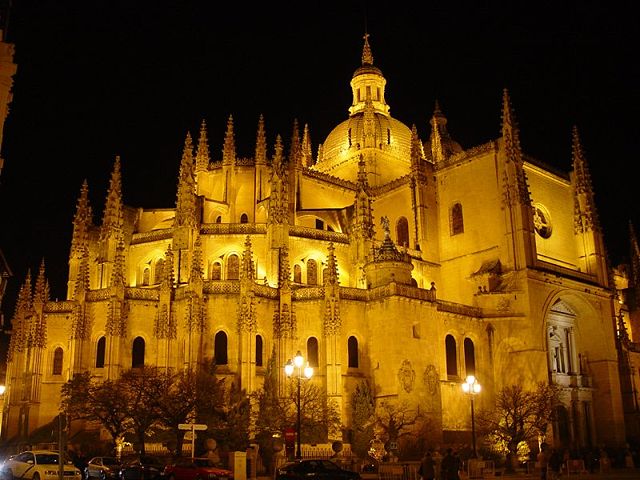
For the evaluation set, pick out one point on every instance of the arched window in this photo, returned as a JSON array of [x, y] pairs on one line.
[[137, 353], [146, 275], [457, 222], [259, 346], [220, 349], [402, 232], [219, 219], [312, 352], [297, 273], [100, 350], [58, 355], [469, 357], [452, 361], [312, 272], [157, 278], [244, 218], [352, 348], [233, 267], [215, 271]]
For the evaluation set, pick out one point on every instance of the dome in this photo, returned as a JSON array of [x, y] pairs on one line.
[[347, 138]]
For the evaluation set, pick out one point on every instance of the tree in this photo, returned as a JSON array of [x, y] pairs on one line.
[[396, 421], [141, 388], [233, 425], [362, 418], [84, 398], [519, 415]]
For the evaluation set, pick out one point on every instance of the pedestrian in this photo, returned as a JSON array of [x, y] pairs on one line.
[[450, 466], [543, 461], [428, 467]]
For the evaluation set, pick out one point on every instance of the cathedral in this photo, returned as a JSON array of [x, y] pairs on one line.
[[405, 261]]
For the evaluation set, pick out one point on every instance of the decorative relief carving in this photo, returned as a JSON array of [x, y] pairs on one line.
[[406, 376], [431, 379]]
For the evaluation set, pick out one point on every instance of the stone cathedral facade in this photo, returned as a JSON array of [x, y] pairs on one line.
[[409, 262]]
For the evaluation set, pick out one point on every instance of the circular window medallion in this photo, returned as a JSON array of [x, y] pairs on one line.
[[542, 221]]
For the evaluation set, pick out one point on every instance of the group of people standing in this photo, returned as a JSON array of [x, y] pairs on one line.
[[550, 462], [449, 467]]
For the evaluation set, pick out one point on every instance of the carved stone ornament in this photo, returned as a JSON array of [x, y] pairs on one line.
[[406, 376], [431, 379]]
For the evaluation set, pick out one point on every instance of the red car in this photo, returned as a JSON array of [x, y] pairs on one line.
[[195, 469]]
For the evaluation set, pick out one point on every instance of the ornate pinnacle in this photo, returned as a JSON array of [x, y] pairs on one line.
[[307, 154], [41, 291], [278, 156], [586, 217], [112, 219], [229, 148], [202, 154], [367, 56], [82, 221], [185, 198], [510, 131], [294, 150], [261, 143], [247, 271]]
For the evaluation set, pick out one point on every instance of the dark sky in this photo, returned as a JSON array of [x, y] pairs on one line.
[[103, 78]]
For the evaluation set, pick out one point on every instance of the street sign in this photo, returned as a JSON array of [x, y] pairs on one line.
[[192, 426], [289, 435]]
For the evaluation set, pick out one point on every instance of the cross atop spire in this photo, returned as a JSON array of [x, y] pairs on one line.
[[367, 56]]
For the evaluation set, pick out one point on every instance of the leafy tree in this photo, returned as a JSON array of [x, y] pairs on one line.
[[362, 419], [141, 388], [84, 398], [396, 421], [519, 415], [318, 414], [233, 425]]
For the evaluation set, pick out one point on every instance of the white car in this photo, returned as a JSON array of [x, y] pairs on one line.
[[38, 465]]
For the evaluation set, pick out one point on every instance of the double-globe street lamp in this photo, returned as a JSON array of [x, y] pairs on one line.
[[472, 388], [292, 366]]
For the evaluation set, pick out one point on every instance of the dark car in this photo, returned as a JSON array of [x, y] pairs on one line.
[[102, 468], [314, 469], [196, 469], [144, 467]]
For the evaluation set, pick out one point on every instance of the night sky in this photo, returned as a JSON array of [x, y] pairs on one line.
[[103, 78]]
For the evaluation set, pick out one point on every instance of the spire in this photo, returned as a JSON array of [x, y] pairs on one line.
[[41, 291], [112, 219], [278, 198], [197, 271], [294, 149], [278, 156], [186, 198], [284, 273], [118, 272], [261, 143], [442, 146], [367, 56], [82, 221], [586, 216], [229, 149], [247, 272], [363, 218], [635, 263], [416, 150], [510, 131], [82, 281], [437, 153], [20, 320], [307, 154], [168, 267], [331, 277], [202, 154]]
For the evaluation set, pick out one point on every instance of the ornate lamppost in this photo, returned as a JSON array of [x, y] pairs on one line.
[[292, 366], [471, 387]]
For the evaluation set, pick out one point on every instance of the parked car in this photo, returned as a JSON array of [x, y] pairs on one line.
[[195, 469], [39, 465], [102, 468], [309, 469], [143, 467]]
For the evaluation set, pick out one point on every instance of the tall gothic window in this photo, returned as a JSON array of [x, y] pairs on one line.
[[215, 271], [58, 355], [312, 352], [312, 272], [402, 232], [146, 275], [259, 346], [297, 273], [244, 218], [100, 351], [220, 349], [452, 356], [233, 267], [352, 349], [137, 353], [469, 357], [219, 219], [457, 222]]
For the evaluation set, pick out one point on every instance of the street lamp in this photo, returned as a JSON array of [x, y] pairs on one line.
[[472, 388], [306, 372]]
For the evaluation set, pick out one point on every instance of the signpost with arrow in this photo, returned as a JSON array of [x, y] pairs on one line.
[[192, 427]]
